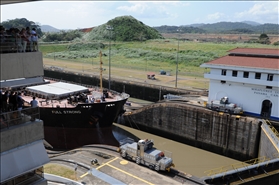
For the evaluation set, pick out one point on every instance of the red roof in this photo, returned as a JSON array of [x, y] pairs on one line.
[[258, 51], [251, 62], [86, 30]]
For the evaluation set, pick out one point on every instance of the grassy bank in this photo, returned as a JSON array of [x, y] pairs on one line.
[[133, 60]]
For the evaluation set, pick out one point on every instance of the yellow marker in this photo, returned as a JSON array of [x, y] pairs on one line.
[[84, 175], [106, 163], [123, 162]]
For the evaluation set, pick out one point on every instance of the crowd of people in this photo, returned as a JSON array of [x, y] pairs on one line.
[[16, 40], [11, 101]]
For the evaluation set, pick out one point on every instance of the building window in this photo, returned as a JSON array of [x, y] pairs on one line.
[[268, 87], [234, 73], [258, 76], [246, 74], [269, 77], [223, 82], [224, 72]]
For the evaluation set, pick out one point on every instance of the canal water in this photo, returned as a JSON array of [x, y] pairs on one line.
[[186, 158]]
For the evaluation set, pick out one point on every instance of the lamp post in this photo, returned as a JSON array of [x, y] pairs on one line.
[[109, 28], [176, 72]]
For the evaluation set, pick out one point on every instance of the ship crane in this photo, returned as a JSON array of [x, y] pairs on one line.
[[101, 72]]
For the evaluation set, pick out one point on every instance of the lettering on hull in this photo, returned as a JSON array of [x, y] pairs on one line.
[[66, 112]]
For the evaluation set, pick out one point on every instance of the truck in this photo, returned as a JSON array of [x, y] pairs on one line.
[[143, 152], [151, 76], [162, 72], [223, 105]]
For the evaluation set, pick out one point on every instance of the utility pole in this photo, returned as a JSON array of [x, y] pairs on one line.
[[177, 59]]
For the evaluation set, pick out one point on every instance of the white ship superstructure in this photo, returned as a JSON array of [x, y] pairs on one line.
[[249, 77]]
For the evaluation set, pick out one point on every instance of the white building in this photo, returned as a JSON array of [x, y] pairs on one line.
[[249, 77]]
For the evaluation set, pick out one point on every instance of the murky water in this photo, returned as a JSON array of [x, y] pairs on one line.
[[186, 158]]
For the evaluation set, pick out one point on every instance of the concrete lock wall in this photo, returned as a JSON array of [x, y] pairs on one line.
[[22, 134], [269, 143], [226, 134], [29, 65], [223, 134]]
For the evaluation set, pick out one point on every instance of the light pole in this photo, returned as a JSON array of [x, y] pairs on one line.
[[176, 73], [109, 28]]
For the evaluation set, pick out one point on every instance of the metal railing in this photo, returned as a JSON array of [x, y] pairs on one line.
[[12, 118], [12, 44]]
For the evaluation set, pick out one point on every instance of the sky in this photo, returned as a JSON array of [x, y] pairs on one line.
[[85, 14]]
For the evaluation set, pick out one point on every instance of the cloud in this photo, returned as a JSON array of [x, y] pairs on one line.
[[153, 9], [258, 10], [139, 7], [155, 12], [215, 16]]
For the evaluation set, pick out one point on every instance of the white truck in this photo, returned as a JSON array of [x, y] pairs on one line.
[[224, 105]]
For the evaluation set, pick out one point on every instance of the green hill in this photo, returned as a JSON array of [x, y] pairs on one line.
[[125, 28]]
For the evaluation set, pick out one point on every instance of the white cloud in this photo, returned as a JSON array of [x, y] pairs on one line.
[[258, 10], [215, 16], [155, 8], [137, 7]]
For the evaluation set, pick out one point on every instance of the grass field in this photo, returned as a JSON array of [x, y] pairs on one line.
[[133, 60], [60, 170]]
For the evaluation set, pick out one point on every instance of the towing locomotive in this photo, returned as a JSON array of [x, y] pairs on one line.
[[143, 152], [224, 105]]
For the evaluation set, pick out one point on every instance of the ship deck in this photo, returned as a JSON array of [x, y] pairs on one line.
[[67, 95]]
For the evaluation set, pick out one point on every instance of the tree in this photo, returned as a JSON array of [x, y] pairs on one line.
[[22, 23], [63, 36], [264, 39], [263, 36]]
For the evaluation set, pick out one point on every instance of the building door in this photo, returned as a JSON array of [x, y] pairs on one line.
[[266, 109]]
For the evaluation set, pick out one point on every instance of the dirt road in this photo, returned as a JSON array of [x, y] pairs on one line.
[[187, 82]]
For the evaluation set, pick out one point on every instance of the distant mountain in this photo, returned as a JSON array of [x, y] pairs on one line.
[[196, 25], [47, 28], [240, 27], [224, 27], [179, 29], [251, 23]]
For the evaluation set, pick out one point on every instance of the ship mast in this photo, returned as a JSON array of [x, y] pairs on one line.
[[101, 72]]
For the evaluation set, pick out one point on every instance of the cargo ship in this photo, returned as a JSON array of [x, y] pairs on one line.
[[74, 115]]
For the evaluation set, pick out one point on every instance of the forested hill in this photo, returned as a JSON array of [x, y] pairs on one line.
[[123, 28], [222, 27]]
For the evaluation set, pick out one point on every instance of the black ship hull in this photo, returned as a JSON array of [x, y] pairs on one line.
[[68, 128]]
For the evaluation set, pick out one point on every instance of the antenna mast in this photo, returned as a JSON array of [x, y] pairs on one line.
[[101, 72]]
